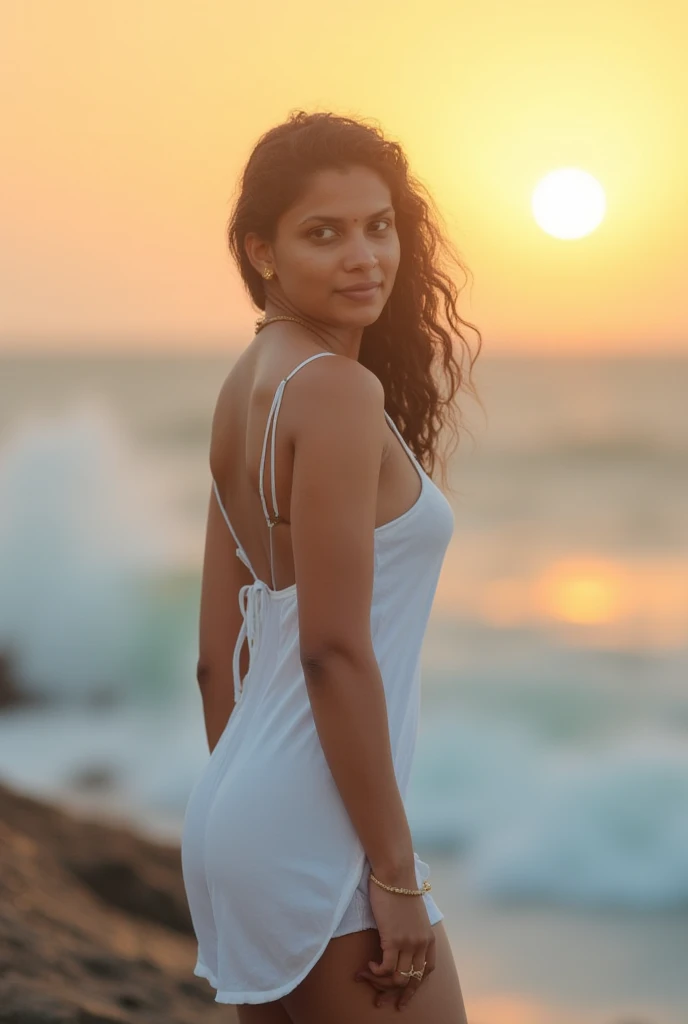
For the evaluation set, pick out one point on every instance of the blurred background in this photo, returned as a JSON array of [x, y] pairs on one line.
[[550, 789]]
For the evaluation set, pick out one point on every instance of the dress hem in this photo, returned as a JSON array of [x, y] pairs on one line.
[[237, 998], [226, 997]]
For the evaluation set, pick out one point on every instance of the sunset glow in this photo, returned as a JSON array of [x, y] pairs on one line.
[[126, 127], [586, 593], [593, 600], [568, 203]]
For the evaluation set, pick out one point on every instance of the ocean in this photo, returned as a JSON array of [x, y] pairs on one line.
[[551, 777]]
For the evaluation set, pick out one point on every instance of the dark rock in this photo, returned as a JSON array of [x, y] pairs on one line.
[[104, 966], [123, 869], [94, 926]]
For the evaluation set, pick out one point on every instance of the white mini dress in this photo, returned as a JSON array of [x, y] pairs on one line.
[[272, 865]]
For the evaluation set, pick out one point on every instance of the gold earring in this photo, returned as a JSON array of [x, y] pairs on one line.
[[268, 272]]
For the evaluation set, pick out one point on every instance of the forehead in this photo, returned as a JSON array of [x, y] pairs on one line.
[[354, 193]]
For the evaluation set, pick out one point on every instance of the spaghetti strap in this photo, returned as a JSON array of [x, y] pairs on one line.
[[396, 430], [241, 554], [272, 423]]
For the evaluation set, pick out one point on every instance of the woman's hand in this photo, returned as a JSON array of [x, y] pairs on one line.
[[406, 940]]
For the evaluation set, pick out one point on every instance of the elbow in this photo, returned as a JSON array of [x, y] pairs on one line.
[[321, 661], [314, 665]]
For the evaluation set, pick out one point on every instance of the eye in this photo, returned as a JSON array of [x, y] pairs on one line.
[[311, 234]]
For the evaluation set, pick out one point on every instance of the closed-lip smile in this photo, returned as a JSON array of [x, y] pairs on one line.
[[361, 287]]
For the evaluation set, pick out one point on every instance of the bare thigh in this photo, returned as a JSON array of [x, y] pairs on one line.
[[263, 1013], [330, 993]]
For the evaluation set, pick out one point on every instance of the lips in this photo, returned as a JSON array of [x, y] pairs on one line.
[[371, 286]]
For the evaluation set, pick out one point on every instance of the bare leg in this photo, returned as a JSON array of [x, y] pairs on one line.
[[263, 1013], [330, 993]]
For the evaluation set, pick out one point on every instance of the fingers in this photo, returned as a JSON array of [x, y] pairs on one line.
[[379, 984], [385, 975], [382, 998], [390, 986], [419, 961], [402, 975], [384, 986], [388, 965], [392, 978]]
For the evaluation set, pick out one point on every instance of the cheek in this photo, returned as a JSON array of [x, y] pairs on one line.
[[391, 254], [315, 267], [390, 260]]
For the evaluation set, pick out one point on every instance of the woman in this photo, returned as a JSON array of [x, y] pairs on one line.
[[325, 539]]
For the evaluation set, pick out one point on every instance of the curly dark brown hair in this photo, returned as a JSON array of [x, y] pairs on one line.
[[410, 347]]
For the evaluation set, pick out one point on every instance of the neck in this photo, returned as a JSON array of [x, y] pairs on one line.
[[345, 341]]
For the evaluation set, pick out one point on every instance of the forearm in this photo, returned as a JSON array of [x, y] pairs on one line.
[[350, 712], [218, 702]]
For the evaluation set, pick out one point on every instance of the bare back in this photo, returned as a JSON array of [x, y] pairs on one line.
[[239, 434]]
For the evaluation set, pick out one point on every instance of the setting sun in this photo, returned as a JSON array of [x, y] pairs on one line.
[[568, 203], [584, 591]]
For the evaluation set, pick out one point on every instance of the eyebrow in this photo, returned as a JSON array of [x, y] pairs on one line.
[[340, 220]]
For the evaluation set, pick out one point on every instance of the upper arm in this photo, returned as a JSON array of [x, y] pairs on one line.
[[338, 444]]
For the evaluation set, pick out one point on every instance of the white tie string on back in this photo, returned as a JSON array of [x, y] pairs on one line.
[[253, 596], [251, 602]]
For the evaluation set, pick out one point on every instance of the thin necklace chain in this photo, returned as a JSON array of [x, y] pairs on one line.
[[264, 321]]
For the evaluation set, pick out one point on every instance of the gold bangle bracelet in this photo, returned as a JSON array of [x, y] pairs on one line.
[[404, 892]]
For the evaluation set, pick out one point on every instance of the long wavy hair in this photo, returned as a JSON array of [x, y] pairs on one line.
[[411, 347]]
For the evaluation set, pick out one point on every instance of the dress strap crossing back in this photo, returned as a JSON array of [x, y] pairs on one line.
[[241, 554], [272, 423]]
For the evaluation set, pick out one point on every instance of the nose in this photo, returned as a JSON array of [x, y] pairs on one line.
[[361, 253]]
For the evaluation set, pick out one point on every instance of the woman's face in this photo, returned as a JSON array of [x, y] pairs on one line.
[[342, 232]]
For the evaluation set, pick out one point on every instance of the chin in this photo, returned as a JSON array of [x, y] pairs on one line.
[[363, 315], [362, 320]]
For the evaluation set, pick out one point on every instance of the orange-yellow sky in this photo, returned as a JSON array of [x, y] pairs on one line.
[[125, 126]]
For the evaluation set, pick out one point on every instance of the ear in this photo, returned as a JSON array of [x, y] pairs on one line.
[[258, 251]]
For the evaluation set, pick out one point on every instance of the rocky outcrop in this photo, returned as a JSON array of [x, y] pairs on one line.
[[94, 925]]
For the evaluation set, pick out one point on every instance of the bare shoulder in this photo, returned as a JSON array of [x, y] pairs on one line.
[[339, 436], [335, 390]]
